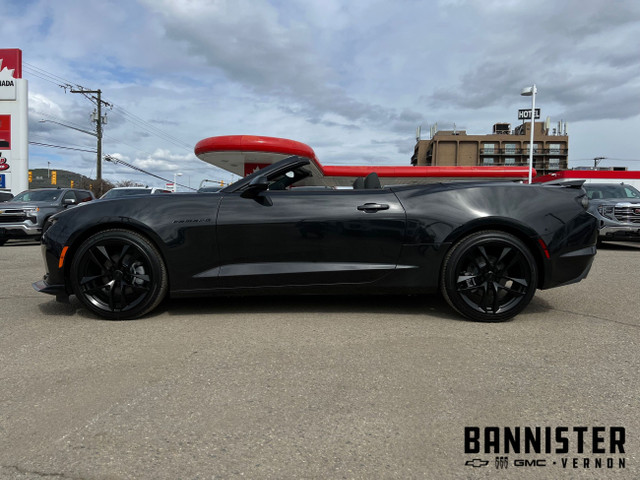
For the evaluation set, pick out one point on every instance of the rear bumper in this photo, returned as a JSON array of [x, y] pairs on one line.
[[571, 267]]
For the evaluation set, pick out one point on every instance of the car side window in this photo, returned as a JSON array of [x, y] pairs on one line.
[[631, 193], [288, 179], [82, 196], [594, 194]]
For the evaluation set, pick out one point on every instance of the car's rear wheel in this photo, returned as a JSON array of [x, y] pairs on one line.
[[489, 276], [118, 274]]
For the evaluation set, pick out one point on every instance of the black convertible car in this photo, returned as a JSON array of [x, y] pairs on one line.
[[486, 247]]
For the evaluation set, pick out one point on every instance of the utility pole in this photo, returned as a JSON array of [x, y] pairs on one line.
[[99, 119], [596, 161]]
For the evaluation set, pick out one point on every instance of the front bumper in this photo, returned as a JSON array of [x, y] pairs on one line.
[[53, 282], [625, 231], [18, 230], [59, 291]]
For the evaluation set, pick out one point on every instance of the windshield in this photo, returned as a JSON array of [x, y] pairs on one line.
[[596, 192], [38, 196], [125, 192]]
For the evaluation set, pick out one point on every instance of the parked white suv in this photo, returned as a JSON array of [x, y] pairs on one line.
[[119, 192]]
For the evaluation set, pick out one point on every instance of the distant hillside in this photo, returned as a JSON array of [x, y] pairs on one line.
[[41, 178]]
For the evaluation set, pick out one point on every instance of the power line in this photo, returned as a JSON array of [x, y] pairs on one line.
[[43, 138], [151, 128], [122, 162], [60, 146], [68, 122], [126, 115], [62, 82], [26, 70]]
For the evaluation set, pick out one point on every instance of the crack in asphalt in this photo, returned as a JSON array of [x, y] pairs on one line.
[[23, 471], [589, 315]]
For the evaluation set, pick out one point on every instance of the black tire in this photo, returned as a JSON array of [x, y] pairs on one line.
[[118, 274], [3, 241], [489, 276]]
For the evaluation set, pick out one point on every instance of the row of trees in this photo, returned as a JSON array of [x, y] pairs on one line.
[[47, 178]]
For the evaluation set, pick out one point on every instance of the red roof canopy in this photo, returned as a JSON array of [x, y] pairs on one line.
[[241, 154]]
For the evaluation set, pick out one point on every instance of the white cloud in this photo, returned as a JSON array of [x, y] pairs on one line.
[[351, 78]]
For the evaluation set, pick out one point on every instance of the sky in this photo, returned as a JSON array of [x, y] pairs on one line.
[[351, 78]]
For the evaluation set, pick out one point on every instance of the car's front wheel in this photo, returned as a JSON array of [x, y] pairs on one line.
[[489, 276], [118, 274]]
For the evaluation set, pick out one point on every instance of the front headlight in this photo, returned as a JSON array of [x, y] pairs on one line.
[[31, 212], [606, 211]]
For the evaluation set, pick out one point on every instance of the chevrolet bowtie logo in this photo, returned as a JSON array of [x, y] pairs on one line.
[[476, 462]]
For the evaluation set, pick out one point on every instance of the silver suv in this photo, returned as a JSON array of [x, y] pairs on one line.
[[617, 207], [25, 215]]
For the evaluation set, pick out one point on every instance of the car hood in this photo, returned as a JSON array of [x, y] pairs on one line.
[[23, 205], [600, 201]]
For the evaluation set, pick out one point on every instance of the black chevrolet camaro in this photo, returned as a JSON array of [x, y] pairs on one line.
[[486, 247]]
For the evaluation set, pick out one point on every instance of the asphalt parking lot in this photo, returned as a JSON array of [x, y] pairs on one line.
[[314, 387]]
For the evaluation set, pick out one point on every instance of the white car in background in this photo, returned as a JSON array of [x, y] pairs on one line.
[[120, 192]]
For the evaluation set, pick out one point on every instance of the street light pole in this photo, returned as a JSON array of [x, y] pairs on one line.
[[175, 181], [531, 92]]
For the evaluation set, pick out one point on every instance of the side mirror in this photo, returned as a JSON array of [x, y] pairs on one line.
[[69, 201], [257, 186]]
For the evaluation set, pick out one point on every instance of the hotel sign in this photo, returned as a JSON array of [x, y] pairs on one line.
[[525, 114]]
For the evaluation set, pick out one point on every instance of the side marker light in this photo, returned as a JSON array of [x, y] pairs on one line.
[[62, 255]]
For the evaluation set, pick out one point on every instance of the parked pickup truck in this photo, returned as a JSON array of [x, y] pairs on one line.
[[25, 215], [617, 207]]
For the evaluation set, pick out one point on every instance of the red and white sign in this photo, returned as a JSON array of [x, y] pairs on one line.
[[5, 132], [10, 69], [251, 167], [11, 59], [14, 126]]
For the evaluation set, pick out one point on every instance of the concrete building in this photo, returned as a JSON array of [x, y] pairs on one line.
[[504, 147]]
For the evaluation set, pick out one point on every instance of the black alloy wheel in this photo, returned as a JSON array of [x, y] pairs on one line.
[[489, 276], [118, 274]]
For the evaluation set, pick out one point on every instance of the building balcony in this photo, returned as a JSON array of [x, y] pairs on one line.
[[538, 164], [561, 152]]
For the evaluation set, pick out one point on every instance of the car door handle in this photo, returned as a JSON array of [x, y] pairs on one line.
[[373, 207]]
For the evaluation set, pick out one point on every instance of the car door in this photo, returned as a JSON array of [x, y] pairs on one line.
[[302, 237]]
